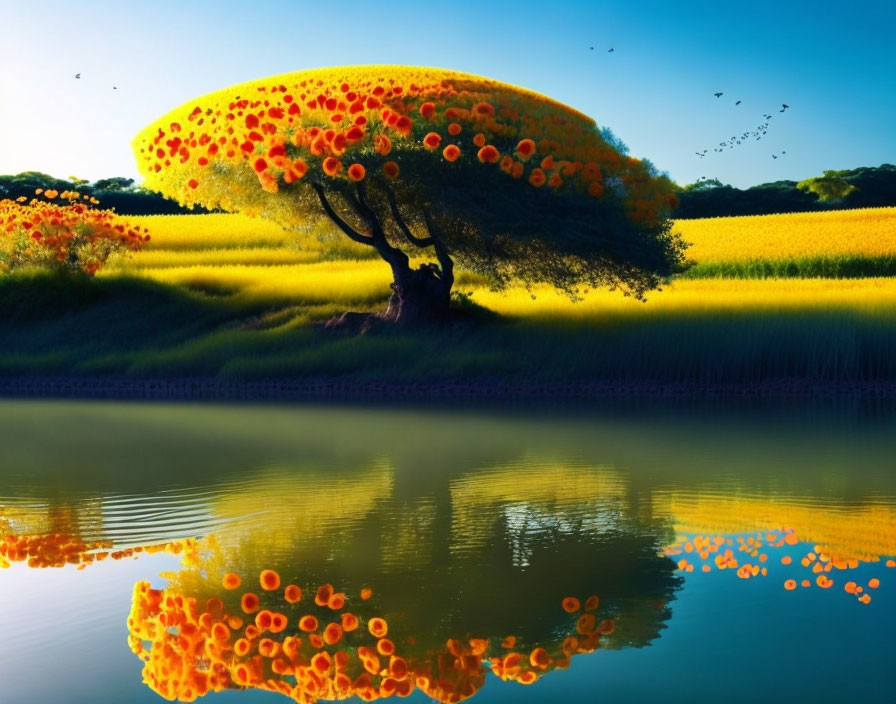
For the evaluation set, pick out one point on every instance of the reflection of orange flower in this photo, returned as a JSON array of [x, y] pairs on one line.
[[432, 140], [356, 172], [349, 622], [377, 627], [539, 658], [332, 633], [451, 153], [585, 624], [292, 594], [249, 603], [592, 602], [537, 178], [390, 168], [231, 581], [270, 580], [571, 605]]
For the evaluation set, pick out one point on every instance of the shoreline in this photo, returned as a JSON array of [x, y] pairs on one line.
[[210, 389]]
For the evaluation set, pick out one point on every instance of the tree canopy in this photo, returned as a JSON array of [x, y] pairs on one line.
[[508, 182]]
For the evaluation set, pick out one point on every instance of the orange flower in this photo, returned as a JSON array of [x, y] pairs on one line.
[[332, 633], [537, 177], [349, 622], [790, 585], [382, 144], [427, 110], [479, 140], [596, 190], [591, 171], [356, 172], [249, 603], [547, 163], [270, 580], [193, 183], [260, 165], [367, 592], [606, 627], [308, 623], [451, 153], [316, 641], [390, 168], [377, 627], [571, 605], [454, 129], [332, 166], [506, 164], [263, 620], [292, 594], [525, 148], [517, 169], [483, 110], [488, 154], [403, 125], [527, 677], [555, 181], [873, 583], [432, 140], [508, 642], [242, 647]]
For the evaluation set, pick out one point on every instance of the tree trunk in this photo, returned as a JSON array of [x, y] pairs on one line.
[[419, 296]]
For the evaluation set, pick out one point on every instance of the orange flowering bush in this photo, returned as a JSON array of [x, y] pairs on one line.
[[427, 159], [69, 237]]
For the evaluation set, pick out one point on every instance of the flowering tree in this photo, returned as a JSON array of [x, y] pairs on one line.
[[63, 237], [415, 162]]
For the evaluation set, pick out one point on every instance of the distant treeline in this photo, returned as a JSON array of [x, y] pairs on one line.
[[118, 193], [865, 187]]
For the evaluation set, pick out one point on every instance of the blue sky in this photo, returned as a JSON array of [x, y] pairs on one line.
[[833, 64]]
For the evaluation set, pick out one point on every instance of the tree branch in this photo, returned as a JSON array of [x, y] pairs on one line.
[[342, 224], [402, 225], [445, 261], [396, 258]]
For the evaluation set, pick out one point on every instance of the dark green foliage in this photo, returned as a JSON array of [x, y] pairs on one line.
[[852, 266], [113, 193], [865, 187]]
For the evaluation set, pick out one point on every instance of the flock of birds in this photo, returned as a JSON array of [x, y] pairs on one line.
[[756, 134]]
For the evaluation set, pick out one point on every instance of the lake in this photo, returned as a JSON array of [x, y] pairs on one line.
[[631, 553]]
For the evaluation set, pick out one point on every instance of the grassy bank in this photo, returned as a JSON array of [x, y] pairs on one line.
[[228, 297], [136, 328]]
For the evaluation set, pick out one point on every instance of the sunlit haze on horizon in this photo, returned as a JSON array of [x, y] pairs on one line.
[[655, 90]]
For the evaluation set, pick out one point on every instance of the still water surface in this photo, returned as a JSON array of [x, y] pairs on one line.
[[121, 523]]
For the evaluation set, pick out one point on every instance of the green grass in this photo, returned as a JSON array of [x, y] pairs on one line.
[[854, 266], [137, 328]]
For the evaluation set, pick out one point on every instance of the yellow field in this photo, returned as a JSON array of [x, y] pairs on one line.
[[867, 231], [258, 261]]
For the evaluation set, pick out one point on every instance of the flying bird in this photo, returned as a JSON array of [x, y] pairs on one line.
[[718, 95], [611, 50], [774, 156], [114, 87], [77, 75], [591, 48], [738, 102]]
